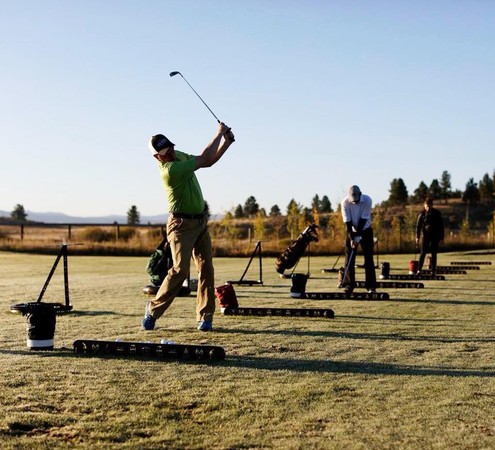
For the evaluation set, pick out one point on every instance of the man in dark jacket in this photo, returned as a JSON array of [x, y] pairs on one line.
[[430, 225]]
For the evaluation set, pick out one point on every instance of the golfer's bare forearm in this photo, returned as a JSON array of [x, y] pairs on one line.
[[211, 155]]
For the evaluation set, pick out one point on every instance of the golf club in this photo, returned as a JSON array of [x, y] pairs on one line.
[[348, 265], [172, 74], [377, 253], [333, 269]]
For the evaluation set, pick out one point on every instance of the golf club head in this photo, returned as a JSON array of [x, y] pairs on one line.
[[173, 74]]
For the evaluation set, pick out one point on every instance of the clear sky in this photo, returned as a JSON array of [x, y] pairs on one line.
[[320, 94]]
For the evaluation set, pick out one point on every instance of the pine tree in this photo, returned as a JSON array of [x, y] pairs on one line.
[[316, 204], [18, 213], [486, 188], [238, 213], [470, 196], [420, 193], [275, 211], [398, 192], [445, 186], [326, 206], [133, 216], [435, 191], [251, 207]]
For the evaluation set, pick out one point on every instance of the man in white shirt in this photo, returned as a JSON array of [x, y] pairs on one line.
[[356, 213]]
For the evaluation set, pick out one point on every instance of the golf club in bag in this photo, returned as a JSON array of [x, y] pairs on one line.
[[293, 253], [344, 282]]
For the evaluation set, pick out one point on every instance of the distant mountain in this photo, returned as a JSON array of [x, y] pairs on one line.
[[54, 217]]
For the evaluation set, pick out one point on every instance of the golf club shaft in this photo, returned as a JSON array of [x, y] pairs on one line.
[[335, 263], [194, 90], [348, 265]]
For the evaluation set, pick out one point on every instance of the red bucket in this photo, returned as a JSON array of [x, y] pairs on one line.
[[413, 266]]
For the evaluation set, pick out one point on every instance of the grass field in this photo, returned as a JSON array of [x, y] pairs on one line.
[[416, 371]]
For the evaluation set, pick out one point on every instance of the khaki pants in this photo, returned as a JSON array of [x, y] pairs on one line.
[[188, 238]]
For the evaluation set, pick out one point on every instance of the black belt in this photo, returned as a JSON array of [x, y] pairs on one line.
[[189, 216]]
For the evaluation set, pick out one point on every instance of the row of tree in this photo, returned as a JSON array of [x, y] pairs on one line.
[[399, 196], [483, 191], [252, 209]]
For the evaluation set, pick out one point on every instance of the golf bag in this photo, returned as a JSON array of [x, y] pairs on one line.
[[160, 262], [292, 254]]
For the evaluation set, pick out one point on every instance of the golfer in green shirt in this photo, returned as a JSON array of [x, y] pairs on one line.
[[187, 226]]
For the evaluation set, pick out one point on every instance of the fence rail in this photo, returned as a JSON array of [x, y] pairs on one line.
[[129, 239], [20, 229]]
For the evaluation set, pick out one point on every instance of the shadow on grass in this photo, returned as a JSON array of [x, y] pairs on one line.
[[364, 367], [422, 300], [96, 313], [249, 294], [445, 301], [290, 364], [461, 281], [369, 336], [399, 319]]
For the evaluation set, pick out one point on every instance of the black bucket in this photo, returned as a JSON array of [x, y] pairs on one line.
[[41, 320], [298, 288], [385, 271]]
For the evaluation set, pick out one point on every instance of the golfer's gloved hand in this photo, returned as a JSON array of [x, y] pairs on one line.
[[356, 240], [229, 136], [226, 132], [222, 129]]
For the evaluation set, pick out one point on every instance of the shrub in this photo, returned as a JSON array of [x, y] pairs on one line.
[[126, 233], [97, 235]]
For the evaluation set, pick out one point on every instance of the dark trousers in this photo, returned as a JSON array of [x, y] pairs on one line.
[[431, 244], [369, 263]]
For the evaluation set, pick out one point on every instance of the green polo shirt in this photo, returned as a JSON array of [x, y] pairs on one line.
[[181, 185]]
